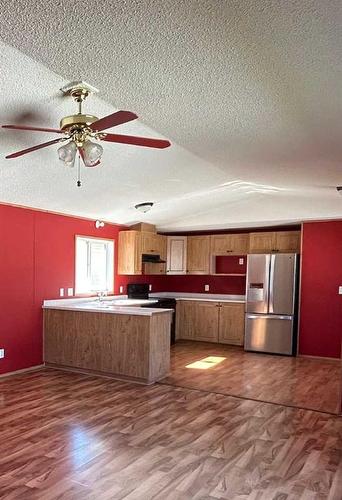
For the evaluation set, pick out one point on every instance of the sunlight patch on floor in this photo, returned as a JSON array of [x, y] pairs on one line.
[[205, 363]]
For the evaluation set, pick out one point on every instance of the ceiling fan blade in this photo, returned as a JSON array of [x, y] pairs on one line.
[[113, 120], [81, 151], [137, 141], [34, 129], [34, 148]]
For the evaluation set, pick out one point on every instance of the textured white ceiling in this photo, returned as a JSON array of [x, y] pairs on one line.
[[248, 91]]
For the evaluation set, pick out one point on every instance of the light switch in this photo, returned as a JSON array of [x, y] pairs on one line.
[[150, 288], [61, 292], [121, 289], [340, 290], [70, 292], [241, 261], [206, 288]]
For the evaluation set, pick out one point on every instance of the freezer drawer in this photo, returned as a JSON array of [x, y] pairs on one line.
[[269, 333]]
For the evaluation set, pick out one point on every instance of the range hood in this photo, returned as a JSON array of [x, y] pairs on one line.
[[155, 259]]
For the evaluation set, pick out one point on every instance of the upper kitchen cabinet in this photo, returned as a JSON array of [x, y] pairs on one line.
[[176, 254], [229, 244], [154, 244], [198, 254], [276, 241], [129, 255], [133, 244], [288, 241], [151, 243]]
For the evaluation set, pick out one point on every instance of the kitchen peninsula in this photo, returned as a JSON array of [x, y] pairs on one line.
[[129, 343]]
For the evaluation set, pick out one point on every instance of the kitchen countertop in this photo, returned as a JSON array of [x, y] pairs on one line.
[[120, 304], [215, 297], [111, 305]]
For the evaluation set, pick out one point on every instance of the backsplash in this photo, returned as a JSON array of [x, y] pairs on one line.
[[235, 285]]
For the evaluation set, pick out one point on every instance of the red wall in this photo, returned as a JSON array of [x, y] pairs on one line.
[[37, 259], [321, 306], [192, 284]]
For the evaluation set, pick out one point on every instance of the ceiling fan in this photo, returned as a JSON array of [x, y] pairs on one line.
[[79, 129]]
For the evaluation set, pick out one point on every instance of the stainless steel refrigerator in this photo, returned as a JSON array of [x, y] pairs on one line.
[[271, 303]]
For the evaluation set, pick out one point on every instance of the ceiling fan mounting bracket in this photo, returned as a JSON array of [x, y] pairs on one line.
[[79, 90]]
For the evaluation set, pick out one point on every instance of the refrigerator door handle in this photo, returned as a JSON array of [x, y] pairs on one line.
[[268, 316], [271, 286]]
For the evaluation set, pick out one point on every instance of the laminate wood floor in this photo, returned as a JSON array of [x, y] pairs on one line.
[[301, 382], [70, 436]]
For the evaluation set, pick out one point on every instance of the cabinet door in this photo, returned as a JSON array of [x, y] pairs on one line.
[[206, 321], [262, 242], [129, 253], [185, 312], [239, 244], [149, 243], [231, 323], [176, 255], [198, 251], [220, 244], [158, 244], [232, 244], [288, 241]]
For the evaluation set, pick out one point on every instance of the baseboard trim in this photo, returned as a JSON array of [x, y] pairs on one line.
[[23, 370], [338, 360], [96, 373]]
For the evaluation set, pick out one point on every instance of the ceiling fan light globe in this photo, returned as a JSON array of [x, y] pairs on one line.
[[92, 153], [67, 153]]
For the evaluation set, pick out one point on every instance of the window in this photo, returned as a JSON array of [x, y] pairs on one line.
[[94, 265]]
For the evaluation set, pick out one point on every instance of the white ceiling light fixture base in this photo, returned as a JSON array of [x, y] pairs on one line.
[[144, 207]]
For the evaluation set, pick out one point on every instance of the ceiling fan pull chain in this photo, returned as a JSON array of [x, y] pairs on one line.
[[79, 184]]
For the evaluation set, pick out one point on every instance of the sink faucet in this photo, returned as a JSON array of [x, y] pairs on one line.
[[101, 294]]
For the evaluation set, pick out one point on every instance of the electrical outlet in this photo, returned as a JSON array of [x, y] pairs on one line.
[[70, 292], [121, 289], [206, 288], [340, 290], [241, 261], [61, 292], [150, 288], [2, 353]]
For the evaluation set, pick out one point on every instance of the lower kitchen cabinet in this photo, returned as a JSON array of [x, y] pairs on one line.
[[197, 320], [209, 321], [231, 323]]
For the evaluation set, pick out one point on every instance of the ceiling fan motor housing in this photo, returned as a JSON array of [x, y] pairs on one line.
[[77, 121]]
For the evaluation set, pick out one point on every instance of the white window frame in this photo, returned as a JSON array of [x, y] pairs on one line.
[[110, 265]]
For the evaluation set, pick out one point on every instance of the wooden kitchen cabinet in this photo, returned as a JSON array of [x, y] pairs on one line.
[[151, 243], [185, 312], [231, 244], [129, 255], [197, 320], [261, 242], [158, 246], [132, 244], [275, 241], [198, 254], [209, 321], [176, 254], [231, 323], [288, 241]]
